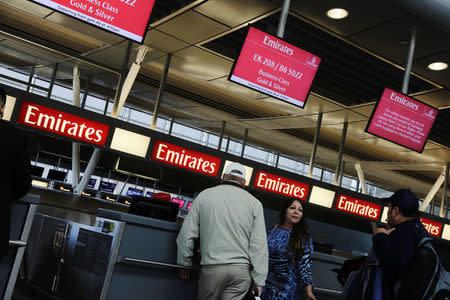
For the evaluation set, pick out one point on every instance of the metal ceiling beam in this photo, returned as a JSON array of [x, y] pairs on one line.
[[315, 142], [442, 212], [433, 191], [361, 178], [76, 146], [162, 87], [128, 82], [341, 152]]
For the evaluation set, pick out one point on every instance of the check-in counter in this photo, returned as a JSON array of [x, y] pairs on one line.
[[22, 214], [143, 260]]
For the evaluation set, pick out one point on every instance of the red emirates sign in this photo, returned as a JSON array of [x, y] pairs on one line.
[[280, 185], [59, 122], [185, 158], [358, 207], [434, 228]]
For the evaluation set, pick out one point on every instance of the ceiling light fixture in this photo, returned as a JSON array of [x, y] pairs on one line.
[[437, 66], [337, 13]]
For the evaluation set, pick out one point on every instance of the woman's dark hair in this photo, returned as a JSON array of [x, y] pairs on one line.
[[299, 233]]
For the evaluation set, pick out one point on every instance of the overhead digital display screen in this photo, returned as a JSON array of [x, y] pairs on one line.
[[91, 183], [402, 120], [272, 66], [56, 175], [127, 18], [108, 187], [132, 191]]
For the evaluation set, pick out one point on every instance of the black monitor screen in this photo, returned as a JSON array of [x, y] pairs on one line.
[[153, 208], [56, 175], [108, 187], [132, 191], [37, 171], [91, 183]]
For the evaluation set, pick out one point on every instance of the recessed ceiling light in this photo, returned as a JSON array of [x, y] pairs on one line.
[[337, 13], [437, 66]]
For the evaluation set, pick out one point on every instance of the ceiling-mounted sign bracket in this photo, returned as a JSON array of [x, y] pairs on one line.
[[412, 45], [283, 17]]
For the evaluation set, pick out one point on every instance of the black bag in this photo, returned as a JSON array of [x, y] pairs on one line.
[[428, 275], [359, 284]]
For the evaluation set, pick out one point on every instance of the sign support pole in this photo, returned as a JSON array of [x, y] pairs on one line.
[[316, 137], [283, 17], [412, 45], [162, 87]]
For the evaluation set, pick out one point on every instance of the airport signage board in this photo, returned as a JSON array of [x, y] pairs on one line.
[[127, 18], [434, 228], [61, 123], [280, 185], [185, 158], [272, 66], [402, 120], [358, 207]]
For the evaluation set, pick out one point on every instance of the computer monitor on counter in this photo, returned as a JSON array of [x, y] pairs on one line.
[[153, 208]]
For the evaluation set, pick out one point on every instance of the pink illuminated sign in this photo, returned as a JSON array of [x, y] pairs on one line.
[[402, 120], [179, 201], [127, 18], [269, 65]]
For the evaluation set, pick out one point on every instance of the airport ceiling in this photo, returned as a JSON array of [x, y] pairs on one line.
[[361, 55]]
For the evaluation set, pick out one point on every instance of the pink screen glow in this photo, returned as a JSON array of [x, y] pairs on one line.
[[127, 18], [269, 65], [189, 206], [402, 120], [179, 201]]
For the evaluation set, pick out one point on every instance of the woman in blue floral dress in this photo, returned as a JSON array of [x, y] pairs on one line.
[[290, 250]]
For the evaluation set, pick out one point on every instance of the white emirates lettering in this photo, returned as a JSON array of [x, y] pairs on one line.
[[277, 185], [59, 125], [433, 230], [184, 160], [357, 208]]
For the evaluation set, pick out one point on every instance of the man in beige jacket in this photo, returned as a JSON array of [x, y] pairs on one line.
[[229, 222]]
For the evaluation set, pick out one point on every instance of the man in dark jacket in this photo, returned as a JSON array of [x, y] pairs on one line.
[[15, 178], [396, 246]]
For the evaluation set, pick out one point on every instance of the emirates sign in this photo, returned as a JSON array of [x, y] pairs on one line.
[[434, 228], [185, 158], [358, 207], [280, 185], [59, 122]]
